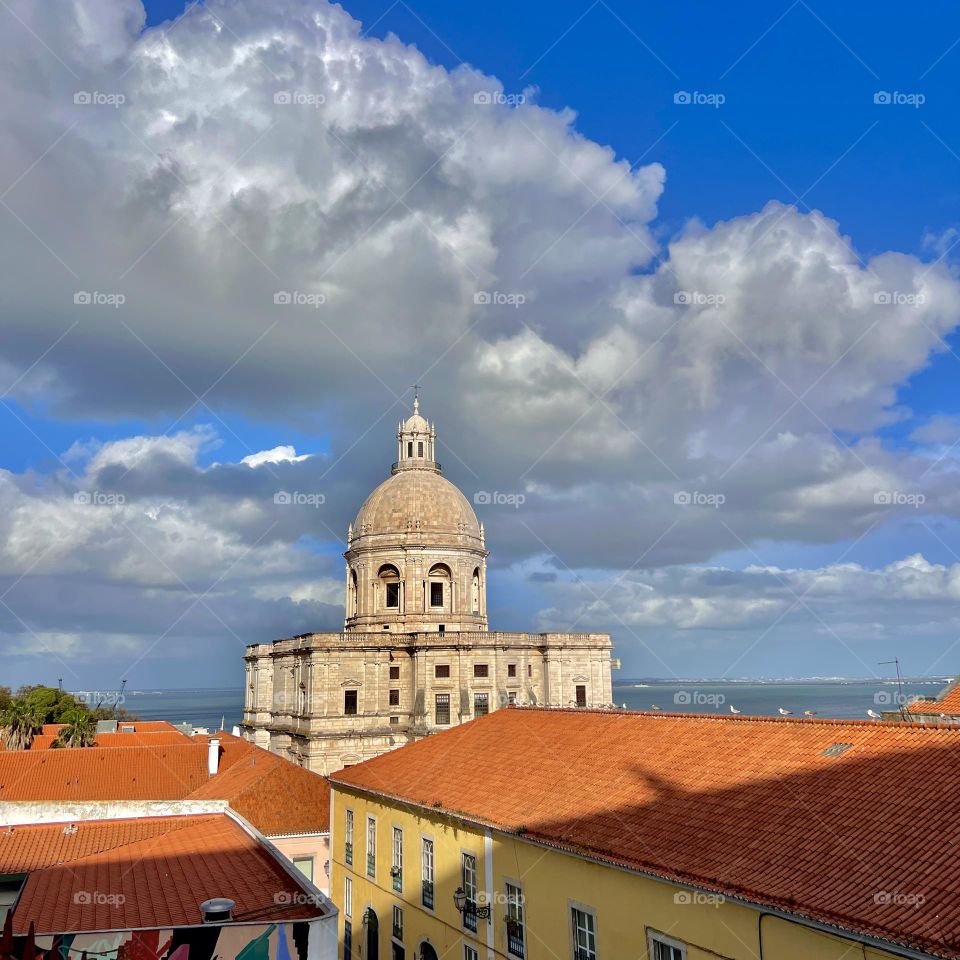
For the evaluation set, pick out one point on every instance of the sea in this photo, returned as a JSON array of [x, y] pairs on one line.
[[827, 697]]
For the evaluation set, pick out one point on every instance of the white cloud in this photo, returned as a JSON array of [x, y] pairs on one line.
[[281, 454]]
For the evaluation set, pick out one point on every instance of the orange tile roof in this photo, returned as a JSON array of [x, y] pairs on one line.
[[751, 807], [44, 741], [948, 702], [273, 794], [144, 873]]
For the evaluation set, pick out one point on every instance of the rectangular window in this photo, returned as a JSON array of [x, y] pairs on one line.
[[442, 671], [664, 948], [397, 922], [442, 717], [394, 698], [581, 695], [394, 673], [468, 880], [585, 936], [419, 448], [426, 873], [393, 595], [397, 951], [512, 696], [529, 669], [481, 671], [348, 840], [347, 939], [305, 866], [371, 847], [348, 896], [469, 953], [511, 669], [481, 704], [394, 719], [396, 870], [436, 594], [515, 931], [350, 703]]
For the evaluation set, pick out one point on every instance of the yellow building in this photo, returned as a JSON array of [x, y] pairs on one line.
[[602, 834]]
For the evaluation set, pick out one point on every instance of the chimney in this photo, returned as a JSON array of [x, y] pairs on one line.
[[217, 910], [213, 756]]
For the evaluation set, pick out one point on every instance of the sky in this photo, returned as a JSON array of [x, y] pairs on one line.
[[679, 285]]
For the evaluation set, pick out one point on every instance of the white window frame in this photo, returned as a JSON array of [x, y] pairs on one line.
[[348, 897], [465, 856], [305, 859], [586, 911], [654, 938], [397, 855], [470, 953], [371, 848], [348, 837], [520, 912], [397, 909], [425, 844]]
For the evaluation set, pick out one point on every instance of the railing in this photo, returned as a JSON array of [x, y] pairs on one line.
[[470, 915], [515, 940], [371, 864], [348, 854], [397, 874], [428, 894]]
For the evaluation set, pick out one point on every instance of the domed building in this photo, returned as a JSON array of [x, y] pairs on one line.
[[415, 654]]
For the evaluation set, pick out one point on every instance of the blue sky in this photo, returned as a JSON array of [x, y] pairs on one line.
[[798, 398]]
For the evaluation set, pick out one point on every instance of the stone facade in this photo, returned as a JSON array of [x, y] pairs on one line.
[[415, 655]]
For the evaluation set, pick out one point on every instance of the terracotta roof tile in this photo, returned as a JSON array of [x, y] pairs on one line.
[[948, 702], [145, 872], [817, 817]]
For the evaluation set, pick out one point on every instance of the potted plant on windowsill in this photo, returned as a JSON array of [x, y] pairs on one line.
[[513, 926]]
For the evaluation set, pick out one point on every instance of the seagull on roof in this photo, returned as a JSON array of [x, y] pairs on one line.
[[783, 712], [873, 715], [734, 710], [809, 713], [653, 706]]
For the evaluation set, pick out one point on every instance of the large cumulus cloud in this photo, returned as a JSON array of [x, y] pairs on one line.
[[301, 221]]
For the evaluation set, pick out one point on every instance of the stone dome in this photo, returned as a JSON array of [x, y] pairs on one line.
[[416, 502]]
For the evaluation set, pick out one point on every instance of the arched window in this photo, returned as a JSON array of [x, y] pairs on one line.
[[475, 591], [354, 591], [419, 448], [440, 578], [389, 576], [409, 448]]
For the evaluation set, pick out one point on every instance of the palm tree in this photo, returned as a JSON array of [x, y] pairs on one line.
[[80, 730], [19, 724]]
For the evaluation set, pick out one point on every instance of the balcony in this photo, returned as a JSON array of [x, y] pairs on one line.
[[428, 894]]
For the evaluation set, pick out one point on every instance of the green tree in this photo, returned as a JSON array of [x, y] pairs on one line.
[[80, 730], [19, 724], [48, 702]]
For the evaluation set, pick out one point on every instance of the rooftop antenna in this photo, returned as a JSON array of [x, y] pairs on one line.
[[896, 662], [119, 699]]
